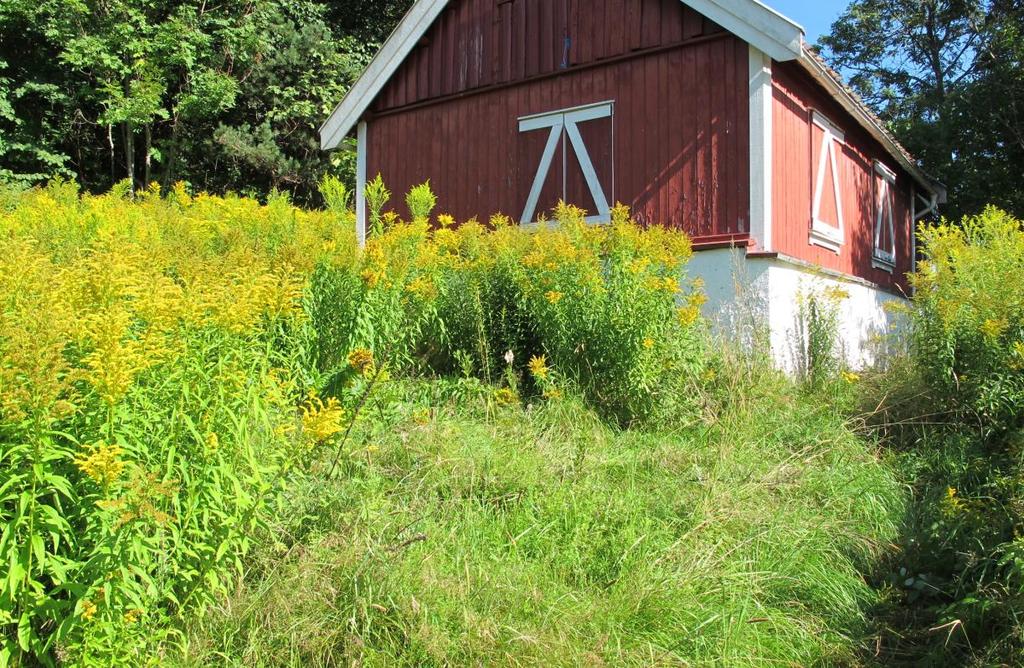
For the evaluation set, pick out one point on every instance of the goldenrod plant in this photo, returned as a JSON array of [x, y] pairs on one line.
[[968, 316], [153, 356], [168, 359]]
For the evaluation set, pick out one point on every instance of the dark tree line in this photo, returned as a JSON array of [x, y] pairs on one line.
[[224, 94], [948, 77]]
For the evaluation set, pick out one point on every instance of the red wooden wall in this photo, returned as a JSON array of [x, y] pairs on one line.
[[479, 43], [678, 82], [796, 147]]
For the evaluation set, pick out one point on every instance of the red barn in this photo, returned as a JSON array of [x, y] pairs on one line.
[[710, 116]]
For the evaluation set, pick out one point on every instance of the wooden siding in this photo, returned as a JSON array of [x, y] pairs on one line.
[[796, 151], [481, 43], [680, 133]]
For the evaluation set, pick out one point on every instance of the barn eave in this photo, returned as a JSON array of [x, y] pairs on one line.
[[397, 47]]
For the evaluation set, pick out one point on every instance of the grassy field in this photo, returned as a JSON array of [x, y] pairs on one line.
[[463, 533], [230, 437]]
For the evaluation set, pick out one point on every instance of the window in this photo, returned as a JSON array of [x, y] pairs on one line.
[[827, 211], [562, 124], [883, 252]]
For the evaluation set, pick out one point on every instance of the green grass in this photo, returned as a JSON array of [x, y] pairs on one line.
[[538, 535]]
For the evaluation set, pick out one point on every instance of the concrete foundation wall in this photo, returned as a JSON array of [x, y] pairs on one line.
[[761, 298]]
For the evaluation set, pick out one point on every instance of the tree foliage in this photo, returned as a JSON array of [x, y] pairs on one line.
[[945, 75], [225, 95]]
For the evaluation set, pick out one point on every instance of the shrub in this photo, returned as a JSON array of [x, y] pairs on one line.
[[968, 317], [608, 306], [169, 363], [955, 411], [153, 358]]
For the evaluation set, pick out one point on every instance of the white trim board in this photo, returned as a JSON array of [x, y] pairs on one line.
[[756, 24], [398, 46], [761, 139], [361, 148]]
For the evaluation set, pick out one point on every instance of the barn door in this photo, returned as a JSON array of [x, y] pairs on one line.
[[572, 163]]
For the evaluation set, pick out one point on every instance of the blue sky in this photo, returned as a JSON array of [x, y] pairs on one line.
[[816, 16]]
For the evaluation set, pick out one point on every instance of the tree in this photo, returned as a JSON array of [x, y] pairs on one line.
[[225, 95], [990, 118], [924, 65]]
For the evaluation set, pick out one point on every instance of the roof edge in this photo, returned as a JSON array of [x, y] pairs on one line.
[[392, 54], [758, 25], [749, 20]]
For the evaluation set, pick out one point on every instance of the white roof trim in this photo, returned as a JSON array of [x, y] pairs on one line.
[[398, 46], [756, 24], [764, 28]]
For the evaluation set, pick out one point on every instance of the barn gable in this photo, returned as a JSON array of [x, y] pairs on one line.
[[756, 24], [477, 44], [446, 50]]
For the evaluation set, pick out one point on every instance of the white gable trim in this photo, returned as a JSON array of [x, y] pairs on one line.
[[400, 44], [749, 20], [757, 25]]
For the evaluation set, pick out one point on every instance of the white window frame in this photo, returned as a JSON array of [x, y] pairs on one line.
[[824, 233], [567, 120], [884, 258]]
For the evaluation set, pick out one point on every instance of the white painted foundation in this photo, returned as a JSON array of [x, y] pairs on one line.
[[760, 297]]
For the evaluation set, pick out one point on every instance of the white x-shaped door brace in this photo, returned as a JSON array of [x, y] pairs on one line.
[[556, 121]]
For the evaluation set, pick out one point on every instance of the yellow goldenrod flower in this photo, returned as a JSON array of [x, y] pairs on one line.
[[102, 463], [88, 610], [322, 420], [552, 393], [952, 504], [850, 376], [553, 296], [836, 294], [993, 328], [132, 616], [539, 367], [648, 343], [422, 287], [504, 396], [361, 359], [687, 315]]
